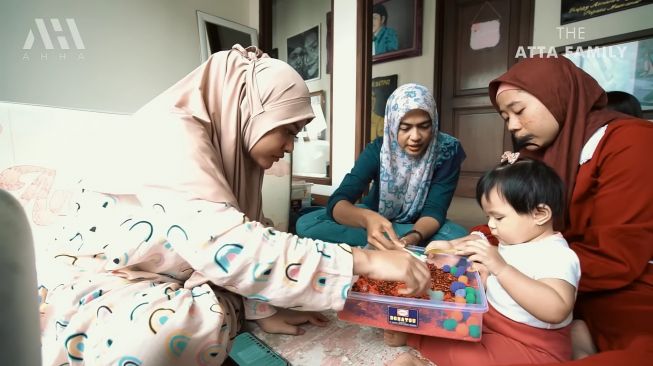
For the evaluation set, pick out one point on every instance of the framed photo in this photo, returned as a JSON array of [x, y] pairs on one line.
[[218, 34], [329, 41], [621, 63], [304, 53], [396, 29], [577, 10], [382, 87]]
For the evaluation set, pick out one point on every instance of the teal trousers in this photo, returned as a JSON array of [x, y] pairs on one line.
[[317, 225]]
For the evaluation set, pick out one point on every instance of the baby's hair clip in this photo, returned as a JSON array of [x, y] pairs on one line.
[[510, 157]]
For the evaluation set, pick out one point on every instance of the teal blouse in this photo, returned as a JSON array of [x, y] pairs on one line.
[[367, 169]]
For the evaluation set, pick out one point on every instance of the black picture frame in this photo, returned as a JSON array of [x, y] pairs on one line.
[[404, 19], [576, 10]]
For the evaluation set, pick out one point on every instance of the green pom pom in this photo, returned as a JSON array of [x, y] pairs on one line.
[[478, 298], [475, 331], [470, 290], [436, 295], [453, 270], [470, 298], [450, 324]]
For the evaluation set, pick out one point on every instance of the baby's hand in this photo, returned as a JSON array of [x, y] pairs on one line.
[[286, 321], [393, 338], [481, 269], [481, 251]]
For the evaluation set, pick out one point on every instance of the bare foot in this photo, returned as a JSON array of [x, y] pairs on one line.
[[408, 359], [581, 340], [393, 338]]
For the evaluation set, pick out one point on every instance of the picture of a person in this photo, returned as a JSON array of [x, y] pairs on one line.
[[384, 38], [312, 55], [304, 53], [296, 60]]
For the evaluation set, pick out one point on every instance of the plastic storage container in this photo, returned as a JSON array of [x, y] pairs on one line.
[[437, 318]]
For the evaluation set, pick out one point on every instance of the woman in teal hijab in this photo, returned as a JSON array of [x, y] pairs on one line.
[[414, 169]]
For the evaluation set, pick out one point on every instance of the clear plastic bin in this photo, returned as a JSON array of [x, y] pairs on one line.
[[437, 318]]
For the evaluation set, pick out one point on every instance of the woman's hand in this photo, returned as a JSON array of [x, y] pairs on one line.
[[377, 227], [439, 246], [450, 246], [393, 265], [412, 238], [481, 251], [286, 321]]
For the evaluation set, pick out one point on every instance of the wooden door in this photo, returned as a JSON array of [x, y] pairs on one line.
[[479, 43]]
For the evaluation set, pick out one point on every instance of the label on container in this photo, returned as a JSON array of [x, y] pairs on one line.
[[404, 317]]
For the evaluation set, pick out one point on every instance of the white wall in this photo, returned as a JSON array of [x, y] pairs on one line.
[[344, 93], [547, 19], [415, 69], [133, 50]]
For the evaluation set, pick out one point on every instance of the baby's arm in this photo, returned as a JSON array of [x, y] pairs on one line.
[[549, 299]]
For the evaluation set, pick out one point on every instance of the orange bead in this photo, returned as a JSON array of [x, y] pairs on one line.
[[460, 300], [463, 279]]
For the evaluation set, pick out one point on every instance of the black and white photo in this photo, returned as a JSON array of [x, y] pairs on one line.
[[304, 53]]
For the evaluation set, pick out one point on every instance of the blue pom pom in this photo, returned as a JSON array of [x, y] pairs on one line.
[[455, 286]]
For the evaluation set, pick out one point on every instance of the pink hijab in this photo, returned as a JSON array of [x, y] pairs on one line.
[[204, 126]]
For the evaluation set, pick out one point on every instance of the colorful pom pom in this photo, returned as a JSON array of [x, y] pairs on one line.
[[475, 331], [436, 295], [449, 324], [462, 330], [456, 315]]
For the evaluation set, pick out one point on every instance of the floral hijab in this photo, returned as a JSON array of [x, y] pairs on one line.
[[405, 180]]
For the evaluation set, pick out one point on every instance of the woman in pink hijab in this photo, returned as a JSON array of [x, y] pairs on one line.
[[153, 266]]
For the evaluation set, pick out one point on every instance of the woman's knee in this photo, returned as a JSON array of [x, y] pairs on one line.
[[308, 223]]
